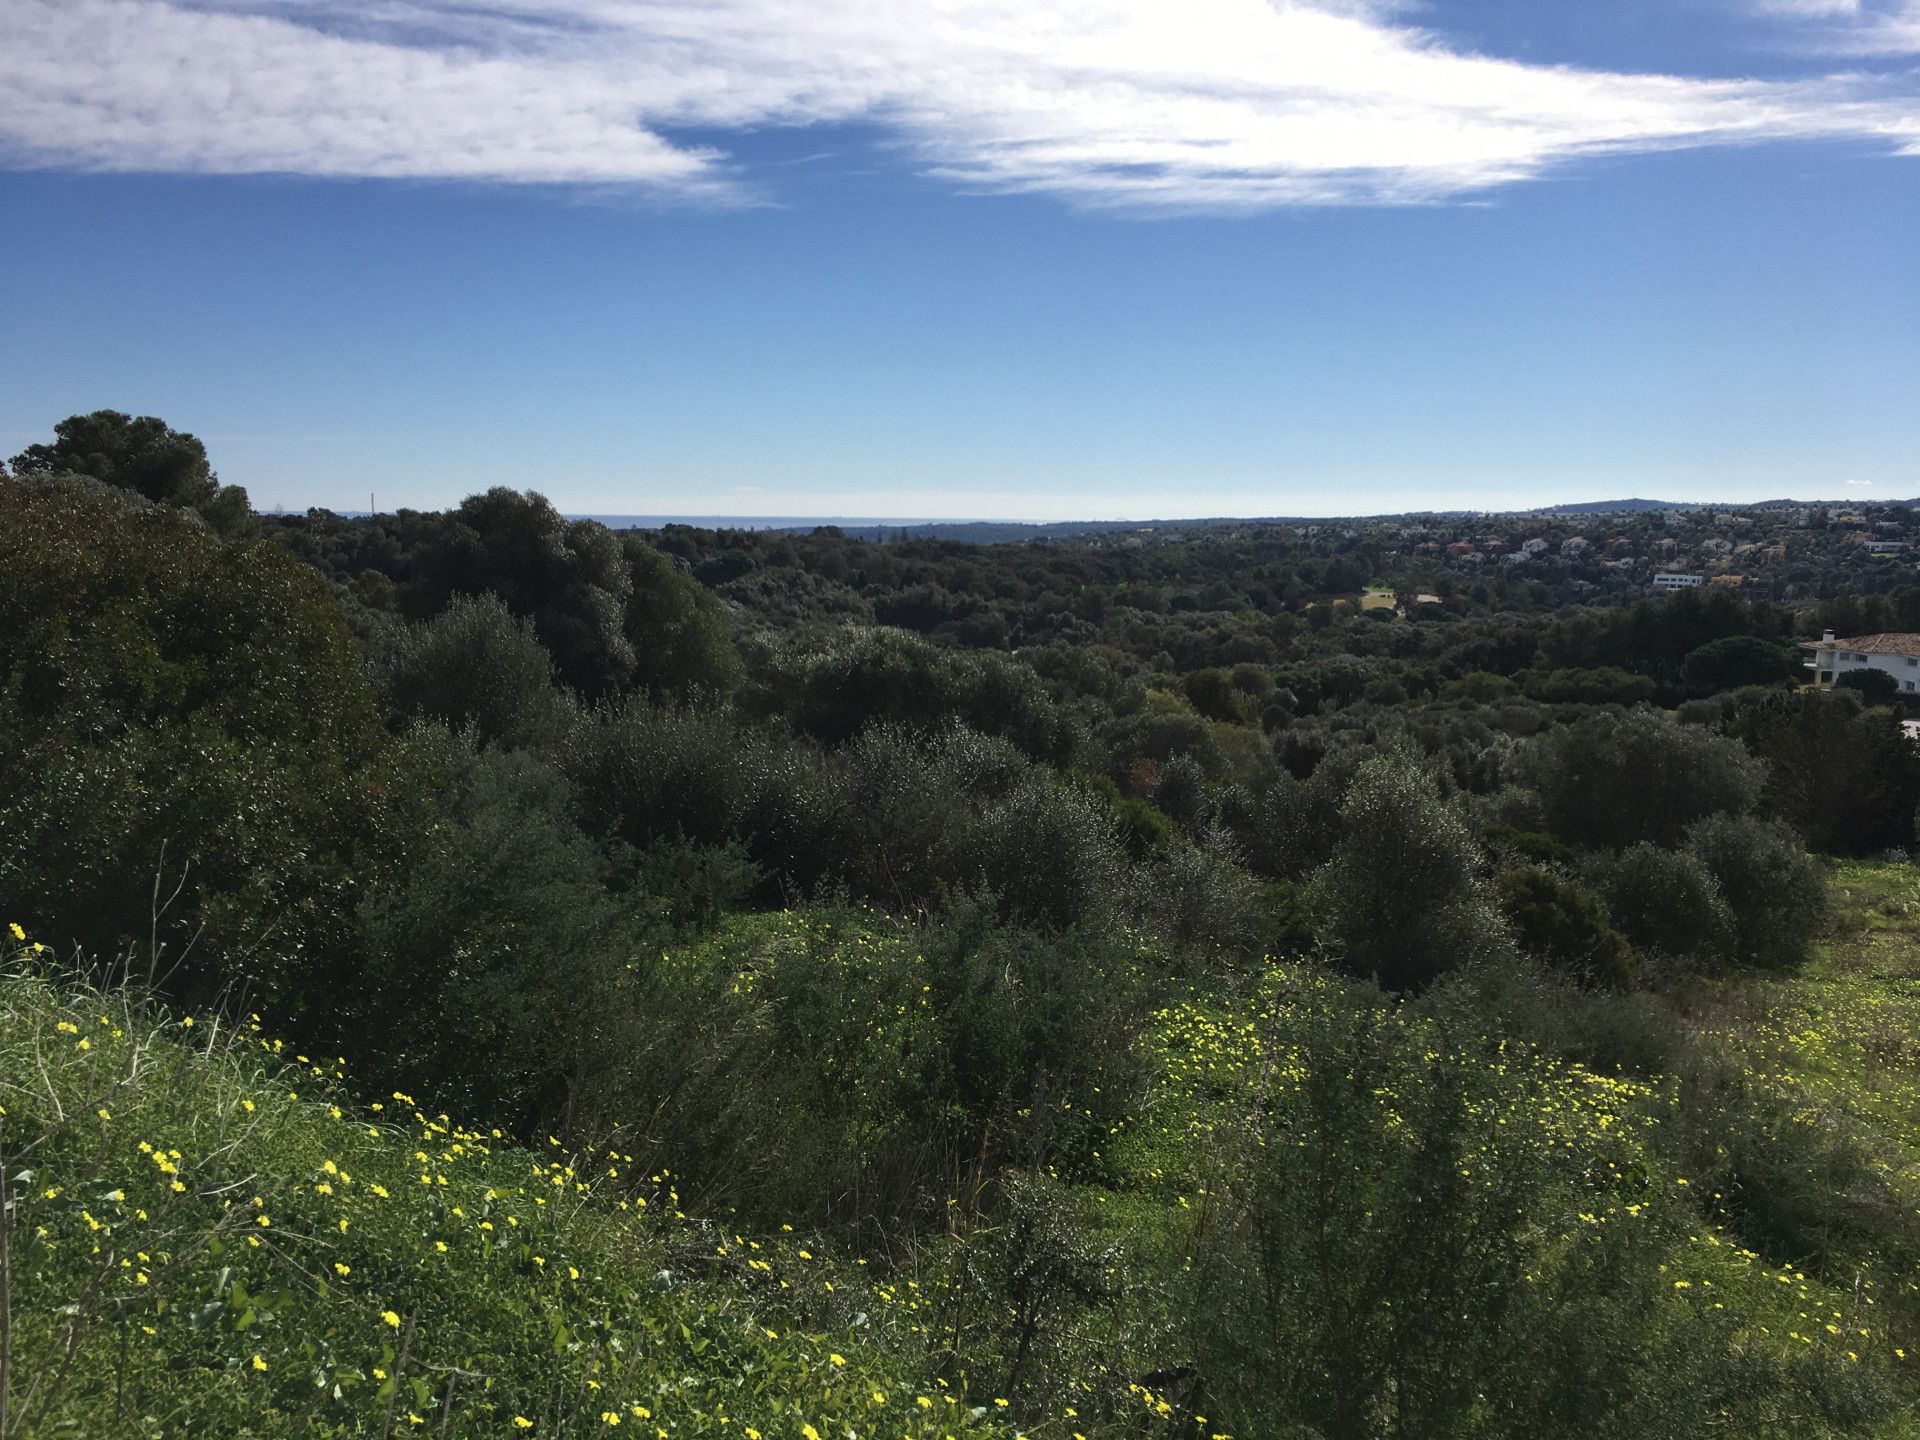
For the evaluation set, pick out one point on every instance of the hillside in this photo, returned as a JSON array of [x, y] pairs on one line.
[[211, 1236]]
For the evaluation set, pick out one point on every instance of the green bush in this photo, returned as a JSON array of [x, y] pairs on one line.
[[1404, 1230], [1666, 902], [1565, 925], [473, 664], [1775, 893], [1616, 780], [1402, 897], [190, 757]]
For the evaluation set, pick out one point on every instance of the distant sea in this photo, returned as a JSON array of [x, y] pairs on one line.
[[759, 522]]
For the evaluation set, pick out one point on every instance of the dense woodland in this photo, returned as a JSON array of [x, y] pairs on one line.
[[1254, 980]]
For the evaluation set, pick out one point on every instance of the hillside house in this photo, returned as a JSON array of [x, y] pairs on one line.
[[1895, 654], [1667, 582]]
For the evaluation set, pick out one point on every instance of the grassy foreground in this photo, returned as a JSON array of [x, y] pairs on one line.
[[207, 1236], [206, 1239]]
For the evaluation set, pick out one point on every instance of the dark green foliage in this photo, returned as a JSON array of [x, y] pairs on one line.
[[1215, 696], [1142, 827], [1158, 734], [144, 455], [1048, 852], [1180, 790], [1659, 638], [1565, 925], [1666, 901], [1847, 780], [1197, 894], [571, 578], [694, 886], [180, 709], [1081, 1091], [1876, 686], [861, 677], [1616, 780], [1607, 685], [644, 772], [1402, 896], [1735, 661], [486, 965], [1774, 890], [474, 664], [682, 643]]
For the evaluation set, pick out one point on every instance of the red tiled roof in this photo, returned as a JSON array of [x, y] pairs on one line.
[[1891, 644]]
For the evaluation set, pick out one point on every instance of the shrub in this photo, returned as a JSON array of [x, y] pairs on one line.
[[474, 664], [1402, 896], [1615, 780], [1878, 687], [177, 708], [833, 691], [1049, 853], [1565, 925], [485, 961], [1667, 902], [1409, 1233], [1775, 893]]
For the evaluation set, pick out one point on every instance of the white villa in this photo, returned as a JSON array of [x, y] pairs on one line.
[[1897, 655], [1667, 581]]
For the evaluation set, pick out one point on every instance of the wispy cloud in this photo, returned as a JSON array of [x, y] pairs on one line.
[[1206, 104], [1850, 27]]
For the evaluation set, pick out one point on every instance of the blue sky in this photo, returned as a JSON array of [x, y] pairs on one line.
[[1093, 258]]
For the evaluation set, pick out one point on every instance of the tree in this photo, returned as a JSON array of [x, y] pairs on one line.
[[1615, 780], [1402, 898], [474, 664], [1666, 901], [1564, 924], [1734, 661], [1878, 687], [571, 578], [146, 456], [163, 692], [1846, 778], [681, 640], [835, 690], [1774, 891]]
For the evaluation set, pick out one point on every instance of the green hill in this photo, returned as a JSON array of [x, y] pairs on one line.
[[1326, 1206], [206, 1239]]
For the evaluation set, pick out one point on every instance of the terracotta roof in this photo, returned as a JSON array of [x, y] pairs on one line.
[[1879, 644]]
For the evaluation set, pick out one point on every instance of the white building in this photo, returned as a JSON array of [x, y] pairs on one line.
[[1895, 655], [1669, 581]]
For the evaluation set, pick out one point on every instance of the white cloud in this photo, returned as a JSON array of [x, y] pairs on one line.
[[1207, 104], [1850, 27]]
